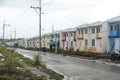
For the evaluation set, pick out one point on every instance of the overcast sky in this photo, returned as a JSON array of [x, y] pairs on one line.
[[63, 13]]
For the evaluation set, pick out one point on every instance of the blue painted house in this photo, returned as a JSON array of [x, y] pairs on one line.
[[114, 34]]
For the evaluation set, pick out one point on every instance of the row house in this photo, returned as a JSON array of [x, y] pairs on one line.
[[55, 39], [46, 40], [22, 43], [91, 37], [30, 43], [68, 40], [114, 34]]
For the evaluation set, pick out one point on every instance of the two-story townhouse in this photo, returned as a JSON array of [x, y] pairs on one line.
[[22, 43], [82, 38], [47, 40], [55, 39], [114, 34], [68, 39], [92, 37], [30, 43]]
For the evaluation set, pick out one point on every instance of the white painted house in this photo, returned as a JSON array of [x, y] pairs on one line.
[[68, 40], [92, 37]]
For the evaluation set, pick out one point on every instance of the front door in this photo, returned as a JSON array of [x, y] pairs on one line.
[[117, 45]]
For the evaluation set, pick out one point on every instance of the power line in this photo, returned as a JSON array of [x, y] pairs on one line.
[[80, 10], [23, 14], [24, 18]]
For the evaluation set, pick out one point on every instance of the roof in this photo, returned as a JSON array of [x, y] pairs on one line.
[[82, 26], [98, 23], [115, 19], [69, 30]]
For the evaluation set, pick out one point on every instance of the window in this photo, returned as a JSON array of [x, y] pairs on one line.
[[79, 32], [93, 30], [86, 42], [111, 28], [74, 33], [116, 27], [93, 42], [71, 43], [71, 33], [58, 36], [66, 34], [86, 31], [98, 30], [67, 43], [82, 30]]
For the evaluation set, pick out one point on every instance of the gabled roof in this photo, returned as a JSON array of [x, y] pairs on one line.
[[115, 19]]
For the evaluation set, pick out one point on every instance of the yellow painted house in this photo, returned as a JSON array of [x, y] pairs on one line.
[[45, 41]]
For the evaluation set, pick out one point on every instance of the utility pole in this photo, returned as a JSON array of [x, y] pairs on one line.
[[3, 30], [4, 25], [39, 21], [14, 34]]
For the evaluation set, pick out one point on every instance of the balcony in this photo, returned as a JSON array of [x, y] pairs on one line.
[[80, 36], [63, 38], [99, 35]]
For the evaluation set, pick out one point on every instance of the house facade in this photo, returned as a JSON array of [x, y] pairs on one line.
[[114, 34], [91, 37], [54, 40], [68, 40]]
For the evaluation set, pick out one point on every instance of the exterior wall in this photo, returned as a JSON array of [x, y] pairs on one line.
[[47, 41], [69, 42], [42, 41], [22, 43], [100, 38], [80, 40], [61, 41], [114, 36], [30, 43], [54, 40], [105, 39]]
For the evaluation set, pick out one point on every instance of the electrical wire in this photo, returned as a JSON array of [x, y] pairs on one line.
[[23, 14], [24, 18], [80, 10]]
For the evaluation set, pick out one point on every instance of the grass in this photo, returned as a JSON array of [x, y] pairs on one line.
[[8, 67]]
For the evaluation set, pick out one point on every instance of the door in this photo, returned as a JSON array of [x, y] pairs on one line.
[[117, 45], [112, 45]]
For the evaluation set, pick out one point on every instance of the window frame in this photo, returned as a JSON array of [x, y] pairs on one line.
[[93, 42], [93, 30], [86, 42], [86, 31]]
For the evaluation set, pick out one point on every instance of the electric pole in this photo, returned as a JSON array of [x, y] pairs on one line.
[[14, 34], [4, 25], [3, 30], [39, 21]]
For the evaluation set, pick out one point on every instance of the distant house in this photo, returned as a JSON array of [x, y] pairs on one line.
[[114, 34], [54, 39]]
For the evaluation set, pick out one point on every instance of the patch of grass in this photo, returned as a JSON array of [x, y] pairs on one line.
[[37, 60], [5, 77], [12, 66]]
